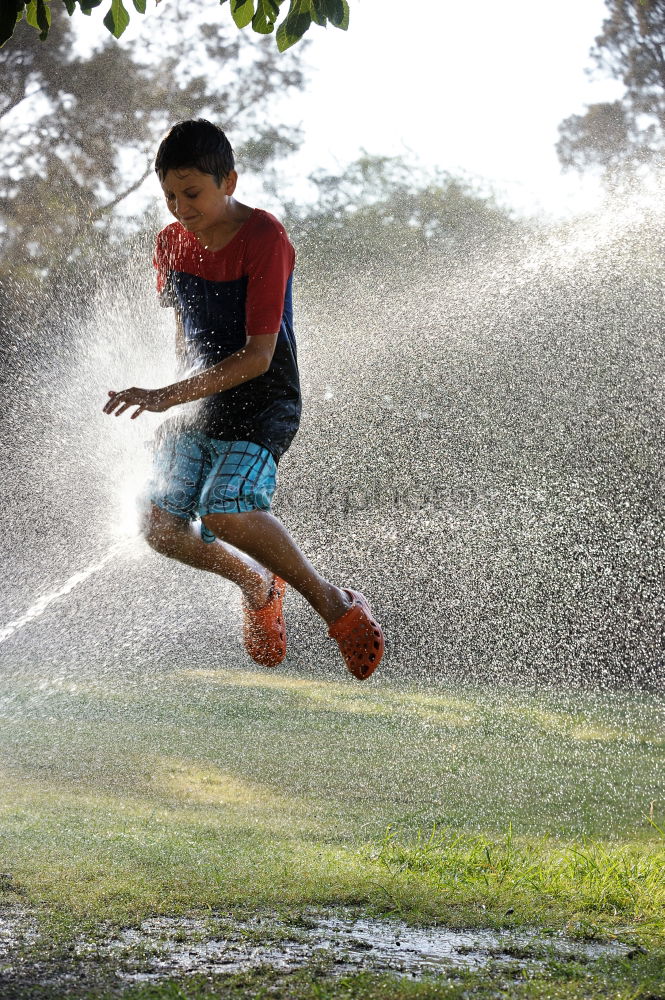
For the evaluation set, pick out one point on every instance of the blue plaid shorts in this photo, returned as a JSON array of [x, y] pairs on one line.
[[194, 475]]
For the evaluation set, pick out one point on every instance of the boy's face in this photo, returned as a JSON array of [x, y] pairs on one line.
[[194, 198]]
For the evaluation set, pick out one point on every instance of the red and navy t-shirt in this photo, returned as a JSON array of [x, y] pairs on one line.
[[222, 297]]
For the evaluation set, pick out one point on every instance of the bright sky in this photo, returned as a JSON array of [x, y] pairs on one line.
[[474, 88], [477, 88]]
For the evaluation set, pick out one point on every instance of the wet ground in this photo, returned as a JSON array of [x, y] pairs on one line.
[[166, 947]]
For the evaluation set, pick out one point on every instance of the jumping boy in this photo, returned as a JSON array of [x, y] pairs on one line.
[[226, 269]]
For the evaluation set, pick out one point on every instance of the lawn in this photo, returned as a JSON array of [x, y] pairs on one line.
[[238, 791]]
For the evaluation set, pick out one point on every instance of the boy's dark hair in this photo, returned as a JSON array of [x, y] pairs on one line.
[[195, 143]]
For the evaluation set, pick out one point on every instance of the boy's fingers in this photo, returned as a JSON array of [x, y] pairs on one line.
[[110, 403], [121, 401]]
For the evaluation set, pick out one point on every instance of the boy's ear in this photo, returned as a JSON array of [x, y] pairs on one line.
[[229, 182]]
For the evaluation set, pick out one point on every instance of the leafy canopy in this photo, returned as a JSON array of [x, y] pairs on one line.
[[70, 156], [262, 15], [618, 137], [382, 211]]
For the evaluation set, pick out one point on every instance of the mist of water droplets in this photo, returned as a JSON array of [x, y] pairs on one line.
[[480, 452]]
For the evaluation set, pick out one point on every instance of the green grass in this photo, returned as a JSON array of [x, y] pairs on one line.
[[231, 790], [593, 888]]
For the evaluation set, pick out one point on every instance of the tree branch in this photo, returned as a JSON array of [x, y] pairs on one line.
[[103, 209], [16, 99]]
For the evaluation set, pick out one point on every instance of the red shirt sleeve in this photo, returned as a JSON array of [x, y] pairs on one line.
[[269, 266]]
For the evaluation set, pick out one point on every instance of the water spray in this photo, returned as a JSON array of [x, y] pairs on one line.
[[43, 602]]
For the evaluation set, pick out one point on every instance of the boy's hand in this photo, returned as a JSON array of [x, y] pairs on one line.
[[156, 400], [249, 362]]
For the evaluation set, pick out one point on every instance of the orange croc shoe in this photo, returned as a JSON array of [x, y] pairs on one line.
[[264, 631], [359, 637]]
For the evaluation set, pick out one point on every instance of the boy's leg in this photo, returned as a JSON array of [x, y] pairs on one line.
[[230, 485], [182, 462], [176, 537], [265, 539]]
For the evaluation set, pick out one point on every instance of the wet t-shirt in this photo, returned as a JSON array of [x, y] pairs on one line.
[[222, 297]]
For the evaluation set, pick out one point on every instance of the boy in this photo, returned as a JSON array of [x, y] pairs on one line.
[[226, 269]]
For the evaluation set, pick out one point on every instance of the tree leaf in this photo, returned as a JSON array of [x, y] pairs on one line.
[[71, 6], [266, 14], [38, 15], [31, 13], [43, 19], [343, 22], [242, 12], [318, 11], [88, 5], [294, 25], [140, 6], [333, 9], [9, 15], [338, 13], [117, 18]]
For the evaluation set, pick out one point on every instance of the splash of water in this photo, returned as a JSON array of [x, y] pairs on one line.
[[42, 603], [487, 446]]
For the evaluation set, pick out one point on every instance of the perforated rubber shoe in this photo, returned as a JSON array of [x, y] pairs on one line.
[[264, 629], [359, 637]]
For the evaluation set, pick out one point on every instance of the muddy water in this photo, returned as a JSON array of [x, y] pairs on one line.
[[342, 942]]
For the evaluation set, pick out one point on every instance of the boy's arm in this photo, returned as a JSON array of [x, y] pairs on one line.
[[252, 360]]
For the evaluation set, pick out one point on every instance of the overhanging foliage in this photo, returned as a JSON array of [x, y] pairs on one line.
[[262, 15]]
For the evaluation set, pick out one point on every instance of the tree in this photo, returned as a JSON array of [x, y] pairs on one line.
[[262, 15], [79, 133], [382, 210], [619, 136]]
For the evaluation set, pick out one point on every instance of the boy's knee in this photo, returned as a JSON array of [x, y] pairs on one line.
[[162, 531]]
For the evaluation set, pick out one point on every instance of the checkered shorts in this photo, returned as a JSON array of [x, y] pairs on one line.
[[194, 475]]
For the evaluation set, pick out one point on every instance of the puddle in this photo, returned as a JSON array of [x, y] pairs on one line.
[[180, 946], [18, 927], [164, 947]]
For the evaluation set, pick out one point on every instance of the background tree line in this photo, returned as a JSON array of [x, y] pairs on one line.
[[78, 132], [621, 137]]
